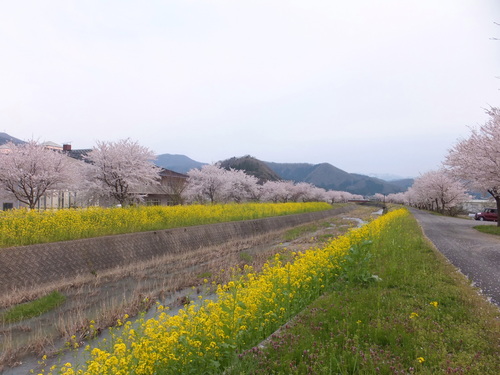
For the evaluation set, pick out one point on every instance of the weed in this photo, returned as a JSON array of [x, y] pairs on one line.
[[325, 238], [355, 266], [34, 308], [296, 232], [244, 256], [204, 275]]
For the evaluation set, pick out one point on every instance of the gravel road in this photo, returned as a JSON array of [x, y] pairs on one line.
[[475, 254]]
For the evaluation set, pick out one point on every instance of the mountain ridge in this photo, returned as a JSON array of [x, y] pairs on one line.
[[6, 138], [329, 177], [323, 175], [251, 166], [177, 163]]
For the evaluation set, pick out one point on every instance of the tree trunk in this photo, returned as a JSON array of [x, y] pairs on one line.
[[496, 195], [497, 199]]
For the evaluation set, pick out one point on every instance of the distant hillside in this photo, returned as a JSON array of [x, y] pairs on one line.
[[5, 138], [386, 176], [177, 163], [403, 184], [322, 175], [251, 166], [329, 177]]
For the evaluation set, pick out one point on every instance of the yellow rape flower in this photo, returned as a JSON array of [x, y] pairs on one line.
[[250, 306]]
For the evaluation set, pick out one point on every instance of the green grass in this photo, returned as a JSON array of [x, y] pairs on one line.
[[420, 317], [296, 232], [244, 256], [491, 229], [34, 308], [204, 275]]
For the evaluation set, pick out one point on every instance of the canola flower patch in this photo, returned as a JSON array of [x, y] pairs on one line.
[[206, 337], [27, 227]]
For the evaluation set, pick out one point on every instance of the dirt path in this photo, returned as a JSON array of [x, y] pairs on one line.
[[475, 254]]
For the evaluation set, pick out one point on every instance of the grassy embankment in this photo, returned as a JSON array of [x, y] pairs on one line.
[[490, 229], [422, 317], [23, 227], [393, 306]]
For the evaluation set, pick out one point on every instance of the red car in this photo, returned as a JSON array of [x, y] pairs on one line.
[[489, 214]]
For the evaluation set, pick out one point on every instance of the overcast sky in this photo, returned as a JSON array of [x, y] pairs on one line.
[[383, 86]]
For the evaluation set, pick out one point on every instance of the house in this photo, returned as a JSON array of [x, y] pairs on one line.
[[168, 192], [75, 154], [52, 146]]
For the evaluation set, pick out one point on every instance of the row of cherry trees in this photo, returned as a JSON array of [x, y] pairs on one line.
[[436, 191], [124, 171], [212, 184], [119, 170], [473, 164]]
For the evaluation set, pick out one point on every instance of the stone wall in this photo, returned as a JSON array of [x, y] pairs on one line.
[[39, 264]]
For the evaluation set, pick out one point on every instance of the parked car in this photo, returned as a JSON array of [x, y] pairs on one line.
[[489, 214]]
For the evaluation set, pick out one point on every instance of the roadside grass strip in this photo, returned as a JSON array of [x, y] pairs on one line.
[[27, 227], [490, 229], [420, 317], [206, 337]]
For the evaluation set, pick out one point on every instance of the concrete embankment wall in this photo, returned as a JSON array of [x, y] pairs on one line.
[[39, 264]]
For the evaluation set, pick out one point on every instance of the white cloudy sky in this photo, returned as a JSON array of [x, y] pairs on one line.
[[369, 86]]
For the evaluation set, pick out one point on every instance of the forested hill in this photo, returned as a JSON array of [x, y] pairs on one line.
[[5, 138], [329, 177], [177, 163], [253, 167], [322, 175]]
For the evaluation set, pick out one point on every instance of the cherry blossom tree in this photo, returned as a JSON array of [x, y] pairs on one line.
[[477, 158], [241, 187], [310, 193], [398, 198], [123, 170], [206, 184], [305, 192], [214, 184], [438, 191], [335, 196], [278, 191], [28, 171]]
